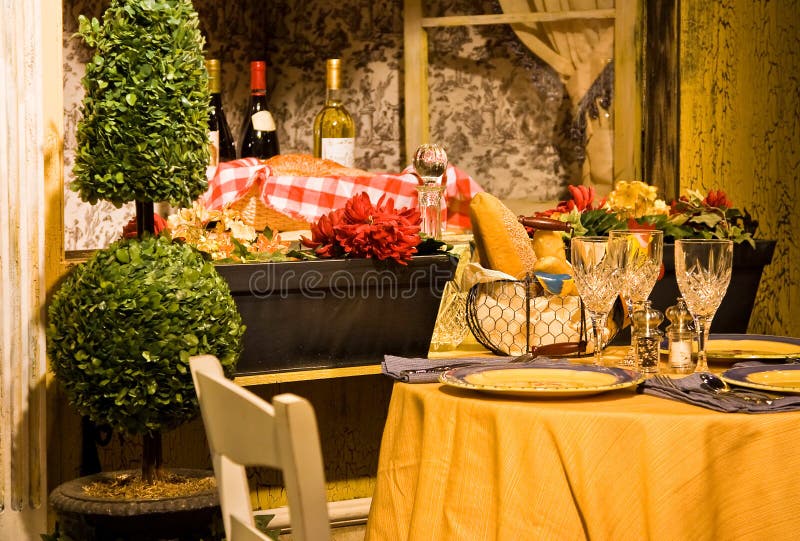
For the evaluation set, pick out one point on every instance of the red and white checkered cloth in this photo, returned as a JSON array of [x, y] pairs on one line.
[[308, 198]]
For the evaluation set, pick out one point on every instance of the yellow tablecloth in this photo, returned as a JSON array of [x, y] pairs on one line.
[[456, 464]]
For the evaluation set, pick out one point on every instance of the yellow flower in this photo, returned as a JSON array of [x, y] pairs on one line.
[[634, 199]]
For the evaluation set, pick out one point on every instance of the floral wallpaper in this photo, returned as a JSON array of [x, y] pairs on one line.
[[502, 114]]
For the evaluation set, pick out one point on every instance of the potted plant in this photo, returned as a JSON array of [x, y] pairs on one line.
[[123, 325], [634, 204], [121, 329], [365, 284]]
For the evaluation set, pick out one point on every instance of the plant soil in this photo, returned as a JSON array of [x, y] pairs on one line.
[[131, 487]]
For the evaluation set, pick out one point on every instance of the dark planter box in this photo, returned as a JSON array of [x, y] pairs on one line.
[[733, 315], [337, 312]]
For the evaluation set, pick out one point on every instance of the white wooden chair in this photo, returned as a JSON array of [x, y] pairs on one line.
[[245, 430]]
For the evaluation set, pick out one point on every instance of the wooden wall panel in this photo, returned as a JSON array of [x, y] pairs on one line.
[[740, 129]]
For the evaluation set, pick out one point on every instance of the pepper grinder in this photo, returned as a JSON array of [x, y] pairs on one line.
[[430, 163], [647, 336], [680, 333]]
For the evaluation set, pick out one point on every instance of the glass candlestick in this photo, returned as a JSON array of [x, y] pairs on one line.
[[430, 163]]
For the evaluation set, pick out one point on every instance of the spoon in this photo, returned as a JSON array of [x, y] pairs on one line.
[[719, 386]]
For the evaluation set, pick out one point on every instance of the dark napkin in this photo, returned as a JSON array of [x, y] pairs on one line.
[[689, 389], [419, 370]]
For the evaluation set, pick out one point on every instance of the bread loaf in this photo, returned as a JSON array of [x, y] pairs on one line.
[[305, 165]]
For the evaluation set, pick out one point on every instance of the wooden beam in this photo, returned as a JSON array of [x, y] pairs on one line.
[[415, 41], [508, 18], [627, 92]]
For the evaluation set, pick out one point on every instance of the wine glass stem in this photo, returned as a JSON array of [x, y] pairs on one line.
[[598, 325], [702, 324], [630, 355]]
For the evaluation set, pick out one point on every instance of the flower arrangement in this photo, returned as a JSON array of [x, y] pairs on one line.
[[224, 236], [359, 229], [634, 204], [362, 229]]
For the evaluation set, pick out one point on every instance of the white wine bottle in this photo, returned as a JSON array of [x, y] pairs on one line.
[[334, 129]]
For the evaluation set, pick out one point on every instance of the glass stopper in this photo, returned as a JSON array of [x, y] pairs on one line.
[[430, 163]]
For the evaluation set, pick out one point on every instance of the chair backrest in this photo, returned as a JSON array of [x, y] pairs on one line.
[[245, 430]]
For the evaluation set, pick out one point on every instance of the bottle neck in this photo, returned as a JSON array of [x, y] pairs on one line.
[[258, 79], [333, 96]]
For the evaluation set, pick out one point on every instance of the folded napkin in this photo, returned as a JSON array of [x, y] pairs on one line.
[[689, 389], [419, 370]]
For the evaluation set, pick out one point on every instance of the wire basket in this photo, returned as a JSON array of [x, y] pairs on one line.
[[516, 317]]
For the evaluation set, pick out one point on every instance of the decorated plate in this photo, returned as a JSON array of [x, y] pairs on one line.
[[556, 380], [782, 378], [739, 347]]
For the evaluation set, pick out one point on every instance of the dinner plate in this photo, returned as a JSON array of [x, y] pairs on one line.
[[552, 380], [783, 378], [739, 347]]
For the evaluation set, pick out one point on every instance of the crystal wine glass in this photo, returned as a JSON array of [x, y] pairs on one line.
[[703, 271], [641, 252], [595, 266]]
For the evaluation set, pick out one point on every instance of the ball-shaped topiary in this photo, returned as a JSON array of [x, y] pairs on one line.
[[144, 131], [123, 325]]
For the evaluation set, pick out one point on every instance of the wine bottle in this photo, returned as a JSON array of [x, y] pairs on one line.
[[334, 129], [223, 148], [259, 136]]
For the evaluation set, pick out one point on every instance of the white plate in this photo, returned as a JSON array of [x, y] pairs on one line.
[[547, 380]]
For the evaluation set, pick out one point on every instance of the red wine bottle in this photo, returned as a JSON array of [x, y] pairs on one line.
[[259, 136], [223, 148]]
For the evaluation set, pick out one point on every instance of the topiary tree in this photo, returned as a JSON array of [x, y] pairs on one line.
[[144, 132], [121, 330], [123, 326]]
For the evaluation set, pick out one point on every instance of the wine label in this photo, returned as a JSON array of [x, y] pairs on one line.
[[213, 148], [263, 121], [339, 149]]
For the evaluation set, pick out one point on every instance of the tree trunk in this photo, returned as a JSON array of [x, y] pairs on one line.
[[144, 218], [152, 458]]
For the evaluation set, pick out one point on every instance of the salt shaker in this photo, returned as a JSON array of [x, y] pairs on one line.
[[646, 336], [430, 163], [680, 333]]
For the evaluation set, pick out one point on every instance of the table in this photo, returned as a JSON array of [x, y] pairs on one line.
[[455, 464]]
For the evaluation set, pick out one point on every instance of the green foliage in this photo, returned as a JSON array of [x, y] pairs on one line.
[[143, 135], [692, 217], [123, 325]]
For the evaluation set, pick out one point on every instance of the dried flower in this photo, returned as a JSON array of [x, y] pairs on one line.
[[224, 236]]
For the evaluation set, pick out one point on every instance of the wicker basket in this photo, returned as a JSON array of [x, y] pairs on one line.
[[254, 212]]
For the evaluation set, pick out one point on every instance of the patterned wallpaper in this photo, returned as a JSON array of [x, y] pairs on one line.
[[502, 114]]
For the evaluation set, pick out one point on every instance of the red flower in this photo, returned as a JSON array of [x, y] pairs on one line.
[[323, 235], [717, 198], [130, 229], [362, 229], [378, 231], [634, 224]]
